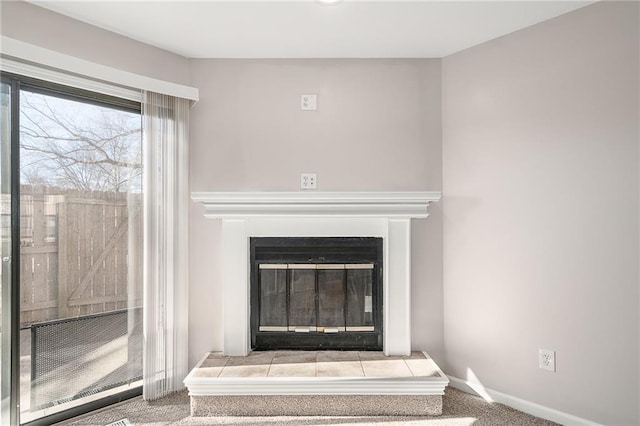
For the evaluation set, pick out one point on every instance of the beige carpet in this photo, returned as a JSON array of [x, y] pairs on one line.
[[459, 409]]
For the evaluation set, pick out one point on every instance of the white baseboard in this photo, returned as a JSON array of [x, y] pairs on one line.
[[519, 404]]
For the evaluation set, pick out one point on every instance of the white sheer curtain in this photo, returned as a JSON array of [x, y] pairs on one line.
[[165, 129]]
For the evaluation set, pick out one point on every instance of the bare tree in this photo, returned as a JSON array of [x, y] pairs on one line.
[[76, 145]]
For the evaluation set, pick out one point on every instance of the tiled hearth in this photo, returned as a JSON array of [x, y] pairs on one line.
[[316, 383]]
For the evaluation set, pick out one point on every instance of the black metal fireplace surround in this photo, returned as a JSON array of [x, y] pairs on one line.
[[315, 293]]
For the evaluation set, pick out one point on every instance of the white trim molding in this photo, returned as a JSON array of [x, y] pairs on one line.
[[519, 403], [38, 62], [227, 205]]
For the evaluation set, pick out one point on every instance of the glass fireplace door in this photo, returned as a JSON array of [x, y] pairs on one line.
[[302, 298], [331, 298], [273, 297], [316, 293], [323, 298], [359, 297]]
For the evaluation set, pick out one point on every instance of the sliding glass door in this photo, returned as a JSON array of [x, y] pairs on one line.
[[7, 413], [79, 250]]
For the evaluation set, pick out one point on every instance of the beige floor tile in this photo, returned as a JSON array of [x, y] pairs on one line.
[[208, 372], [245, 371], [261, 355], [293, 370], [214, 362], [294, 357], [211, 367], [254, 358], [386, 368], [375, 355], [340, 369], [333, 356], [415, 355], [422, 367]]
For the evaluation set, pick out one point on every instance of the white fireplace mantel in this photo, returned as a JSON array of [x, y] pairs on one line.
[[386, 215], [227, 205]]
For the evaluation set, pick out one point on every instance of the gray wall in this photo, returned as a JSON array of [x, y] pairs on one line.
[[541, 185], [26, 22], [540, 141], [377, 127]]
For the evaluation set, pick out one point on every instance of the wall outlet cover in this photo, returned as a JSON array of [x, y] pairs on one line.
[[547, 359], [308, 181]]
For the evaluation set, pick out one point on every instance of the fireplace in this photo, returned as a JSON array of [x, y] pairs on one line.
[[316, 293], [383, 215]]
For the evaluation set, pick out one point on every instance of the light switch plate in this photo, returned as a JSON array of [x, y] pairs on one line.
[[308, 102]]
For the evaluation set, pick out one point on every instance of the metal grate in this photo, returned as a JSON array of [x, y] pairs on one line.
[[78, 357]]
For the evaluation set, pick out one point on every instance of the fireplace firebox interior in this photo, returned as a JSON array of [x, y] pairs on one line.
[[316, 293]]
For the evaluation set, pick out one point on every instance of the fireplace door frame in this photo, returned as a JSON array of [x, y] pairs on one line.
[[316, 252]]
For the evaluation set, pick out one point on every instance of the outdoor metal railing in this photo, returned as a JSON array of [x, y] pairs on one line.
[[76, 357]]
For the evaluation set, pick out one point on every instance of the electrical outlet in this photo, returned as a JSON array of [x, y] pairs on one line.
[[308, 181], [547, 359]]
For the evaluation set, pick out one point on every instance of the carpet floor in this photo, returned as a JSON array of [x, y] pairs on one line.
[[459, 409]]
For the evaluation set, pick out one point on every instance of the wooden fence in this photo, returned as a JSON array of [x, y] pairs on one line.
[[80, 252]]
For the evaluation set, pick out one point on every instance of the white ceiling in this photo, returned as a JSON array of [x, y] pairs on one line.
[[308, 29]]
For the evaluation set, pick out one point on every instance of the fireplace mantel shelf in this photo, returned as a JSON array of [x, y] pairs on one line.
[[392, 204]]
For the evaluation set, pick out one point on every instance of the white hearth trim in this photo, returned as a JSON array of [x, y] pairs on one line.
[[316, 386], [423, 385], [385, 215], [403, 204]]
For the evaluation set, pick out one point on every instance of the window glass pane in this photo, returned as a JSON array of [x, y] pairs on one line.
[[5, 251], [359, 297], [273, 298], [331, 298], [302, 294], [80, 252]]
